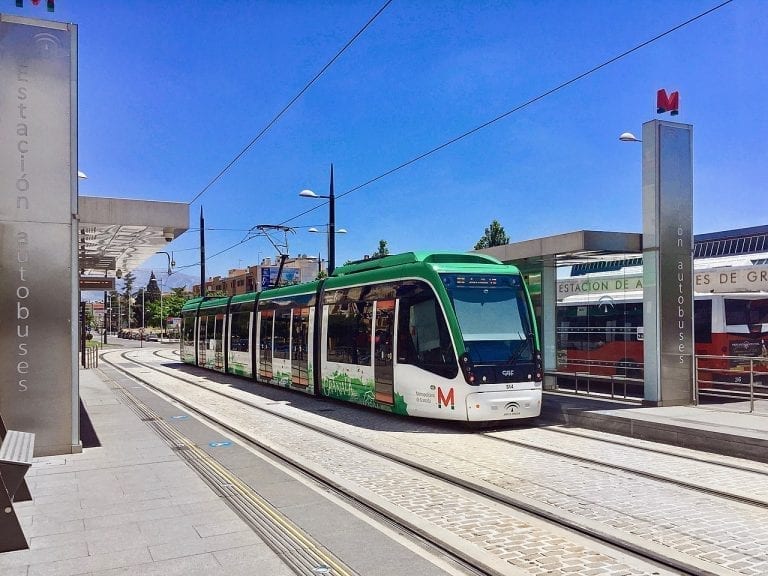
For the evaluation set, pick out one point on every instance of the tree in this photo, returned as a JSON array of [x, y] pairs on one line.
[[494, 236], [152, 292], [170, 307], [139, 307], [382, 251], [128, 281]]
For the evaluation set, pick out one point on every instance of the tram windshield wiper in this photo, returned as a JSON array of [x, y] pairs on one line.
[[525, 344]]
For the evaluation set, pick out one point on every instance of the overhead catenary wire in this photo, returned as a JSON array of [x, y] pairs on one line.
[[287, 106], [499, 117], [518, 107]]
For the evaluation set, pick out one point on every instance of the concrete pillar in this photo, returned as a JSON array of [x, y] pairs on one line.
[[39, 231], [668, 263], [549, 320]]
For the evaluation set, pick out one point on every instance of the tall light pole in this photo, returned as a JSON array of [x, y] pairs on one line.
[[171, 264], [162, 318], [326, 231], [141, 334], [171, 261], [331, 222], [202, 253]]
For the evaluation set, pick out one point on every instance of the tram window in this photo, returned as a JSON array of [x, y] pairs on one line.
[[349, 331], [238, 335], [423, 338], [202, 337], [265, 333], [702, 321], [300, 336], [282, 333], [218, 333], [210, 333], [188, 330]]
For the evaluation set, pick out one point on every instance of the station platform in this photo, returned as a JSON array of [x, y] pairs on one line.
[[129, 504], [729, 429], [133, 504]]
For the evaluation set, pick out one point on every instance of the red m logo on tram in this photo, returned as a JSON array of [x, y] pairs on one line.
[[443, 400], [666, 103]]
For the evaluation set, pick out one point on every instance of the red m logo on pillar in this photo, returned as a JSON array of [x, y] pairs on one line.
[[669, 104]]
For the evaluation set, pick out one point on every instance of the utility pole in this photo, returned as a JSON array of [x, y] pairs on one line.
[[202, 253]]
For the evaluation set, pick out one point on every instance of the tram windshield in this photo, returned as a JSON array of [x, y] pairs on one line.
[[493, 316]]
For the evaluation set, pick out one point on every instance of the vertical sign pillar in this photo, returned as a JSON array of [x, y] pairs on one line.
[[668, 262], [38, 231], [549, 320]]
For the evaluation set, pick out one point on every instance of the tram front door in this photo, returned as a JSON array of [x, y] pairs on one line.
[[383, 371]]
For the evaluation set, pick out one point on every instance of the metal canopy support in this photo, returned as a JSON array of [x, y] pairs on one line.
[[549, 320]]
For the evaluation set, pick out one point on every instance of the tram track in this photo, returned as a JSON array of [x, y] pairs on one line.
[[703, 458], [586, 529], [248, 511], [637, 471], [628, 469], [300, 552]]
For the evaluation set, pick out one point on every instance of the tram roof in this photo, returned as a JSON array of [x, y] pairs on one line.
[[379, 263]]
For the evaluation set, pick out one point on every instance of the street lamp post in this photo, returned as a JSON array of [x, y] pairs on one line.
[[162, 318], [104, 319], [326, 231], [141, 333], [171, 261], [171, 264], [331, 222]]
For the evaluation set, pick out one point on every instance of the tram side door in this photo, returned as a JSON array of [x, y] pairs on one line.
[[202, 339], [299, 345], [265, 343], [218, 342], [384, 337]]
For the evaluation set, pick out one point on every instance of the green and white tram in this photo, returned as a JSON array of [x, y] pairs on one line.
[[435, 335]]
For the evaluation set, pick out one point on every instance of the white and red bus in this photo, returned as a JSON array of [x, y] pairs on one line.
[[602, 334]]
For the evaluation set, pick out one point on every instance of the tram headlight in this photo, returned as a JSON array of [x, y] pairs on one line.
[[539, 369], [466, 368]]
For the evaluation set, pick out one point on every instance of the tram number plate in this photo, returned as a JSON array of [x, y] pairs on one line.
[[510, 386]]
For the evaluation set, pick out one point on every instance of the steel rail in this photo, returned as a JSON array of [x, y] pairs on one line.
[[690, 565], [299, 550]]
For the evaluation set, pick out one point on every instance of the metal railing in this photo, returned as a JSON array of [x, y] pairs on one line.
[[741, 378], [90, 358], [585, 381], [722, 379]]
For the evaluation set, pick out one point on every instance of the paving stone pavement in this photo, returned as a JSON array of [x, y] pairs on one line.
[[134, 507], [130, 507], [444, 510], [730, 535]]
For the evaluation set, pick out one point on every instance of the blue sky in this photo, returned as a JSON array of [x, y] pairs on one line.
[[171, 91]]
